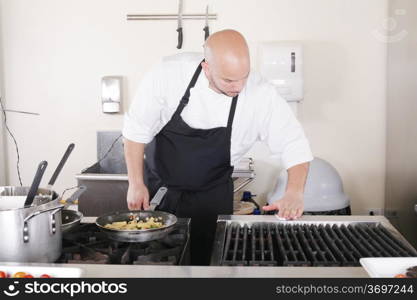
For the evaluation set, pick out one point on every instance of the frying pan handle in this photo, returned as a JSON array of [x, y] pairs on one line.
[[76, 195], [61, 164], [157, 198]]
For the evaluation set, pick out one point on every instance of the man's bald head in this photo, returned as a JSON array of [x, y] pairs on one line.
[[227, 62]]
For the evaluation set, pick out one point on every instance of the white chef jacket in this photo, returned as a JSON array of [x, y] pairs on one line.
[[261, 113]]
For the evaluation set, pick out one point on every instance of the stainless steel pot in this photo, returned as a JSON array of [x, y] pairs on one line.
[[31, 234]]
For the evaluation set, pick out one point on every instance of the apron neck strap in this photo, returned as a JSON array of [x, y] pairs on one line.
[[186, 97], [232, 114]]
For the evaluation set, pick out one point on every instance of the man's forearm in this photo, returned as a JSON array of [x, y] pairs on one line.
[[297, 176], [134, 153]]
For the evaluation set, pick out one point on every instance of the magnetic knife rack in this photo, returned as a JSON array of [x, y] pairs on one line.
[[147, 17]]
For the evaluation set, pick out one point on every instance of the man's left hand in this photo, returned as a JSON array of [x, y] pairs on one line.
[[290, 207]]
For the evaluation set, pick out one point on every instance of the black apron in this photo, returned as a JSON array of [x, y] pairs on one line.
[[194, 164]]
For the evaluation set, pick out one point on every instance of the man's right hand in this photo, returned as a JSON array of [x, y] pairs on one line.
[[137, 197]]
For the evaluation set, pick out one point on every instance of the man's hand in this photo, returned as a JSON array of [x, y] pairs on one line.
[[137, 197], [290, 207]]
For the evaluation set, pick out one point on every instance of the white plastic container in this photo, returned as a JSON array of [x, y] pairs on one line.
[[387, 267]]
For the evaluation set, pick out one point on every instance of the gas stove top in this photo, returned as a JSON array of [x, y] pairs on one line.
[[315, 241], [86, 244]]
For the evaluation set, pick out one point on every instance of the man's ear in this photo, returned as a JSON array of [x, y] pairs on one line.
[[206, 68], [205, 65]]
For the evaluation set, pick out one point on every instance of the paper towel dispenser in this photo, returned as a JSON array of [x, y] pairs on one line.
[[282, 65]]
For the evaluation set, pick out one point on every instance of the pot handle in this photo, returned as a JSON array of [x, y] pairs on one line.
[[38, 212], [54, 210]]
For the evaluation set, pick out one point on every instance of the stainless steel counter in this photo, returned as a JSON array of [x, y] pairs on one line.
[[138, 271]]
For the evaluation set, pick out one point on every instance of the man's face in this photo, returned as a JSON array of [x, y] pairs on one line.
[[228, 81]]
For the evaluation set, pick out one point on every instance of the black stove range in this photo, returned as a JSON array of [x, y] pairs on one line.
[[86, 244]]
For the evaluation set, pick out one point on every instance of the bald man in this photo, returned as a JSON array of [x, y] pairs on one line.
[[197, 125]]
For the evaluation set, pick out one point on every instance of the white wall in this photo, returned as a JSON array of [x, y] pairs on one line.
[[2, 155], [2, 131], [2, 159], [56, 51], [401, 189]]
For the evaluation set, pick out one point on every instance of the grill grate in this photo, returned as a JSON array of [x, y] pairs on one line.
[[87, 244], [277, 244]]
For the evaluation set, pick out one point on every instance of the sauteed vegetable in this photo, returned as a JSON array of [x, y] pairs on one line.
[[135, 224]]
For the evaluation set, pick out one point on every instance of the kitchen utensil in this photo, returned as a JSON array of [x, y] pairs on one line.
[[179, 28], [156, 200], [31, 233], [35, 184], [72, 218], [206, 28], [71, 200], [144, 235], [60, 166]]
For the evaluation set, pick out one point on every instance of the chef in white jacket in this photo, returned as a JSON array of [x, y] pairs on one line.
[[193, 117]]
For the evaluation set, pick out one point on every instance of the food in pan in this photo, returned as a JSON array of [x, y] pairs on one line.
[[135, 224], [410, 273]]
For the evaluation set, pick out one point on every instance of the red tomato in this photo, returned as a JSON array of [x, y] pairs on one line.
[[19, 275], [45, 276], [28, 276], [3, 274]]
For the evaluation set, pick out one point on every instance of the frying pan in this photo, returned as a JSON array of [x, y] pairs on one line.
[[71, 218], [143, 235]]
